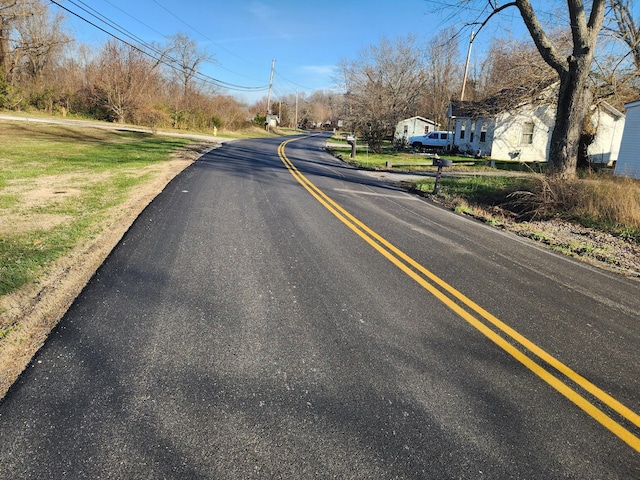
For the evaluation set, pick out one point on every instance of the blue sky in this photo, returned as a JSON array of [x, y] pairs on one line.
[[307, 39]]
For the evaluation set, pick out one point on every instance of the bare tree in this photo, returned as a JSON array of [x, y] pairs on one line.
[[7, 15], [626, 28], [617, 70], [382, 87], [512, 64], [441, 78], [232, 114], [39, 39], [125, 80], [185, 59], [574, 94]]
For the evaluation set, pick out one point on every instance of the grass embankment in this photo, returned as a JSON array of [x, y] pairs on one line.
[[599, 201], [57, 186]]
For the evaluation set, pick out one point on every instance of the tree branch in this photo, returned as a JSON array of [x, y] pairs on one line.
[[495, 10], [546, 48]]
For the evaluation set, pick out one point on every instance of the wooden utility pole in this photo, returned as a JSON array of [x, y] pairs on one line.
[[273, 64], [268, 125], [466, 66]]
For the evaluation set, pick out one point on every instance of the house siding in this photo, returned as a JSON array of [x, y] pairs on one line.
[[507, 143], [504, 138], [415, 126], [628, 164], [605, 147], [477, 145]]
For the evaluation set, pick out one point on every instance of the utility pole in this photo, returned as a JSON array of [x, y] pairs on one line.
[[296, 124], [273, 63], [466, 65]]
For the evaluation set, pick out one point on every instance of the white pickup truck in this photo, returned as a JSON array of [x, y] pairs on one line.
[[432, 140]]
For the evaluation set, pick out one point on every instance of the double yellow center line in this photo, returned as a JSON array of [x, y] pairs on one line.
[[481, 319]]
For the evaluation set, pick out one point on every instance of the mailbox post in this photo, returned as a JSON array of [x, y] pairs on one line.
[[440, 162], [351, 140]]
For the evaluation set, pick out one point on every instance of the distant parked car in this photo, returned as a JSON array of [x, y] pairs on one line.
[[432, 140]]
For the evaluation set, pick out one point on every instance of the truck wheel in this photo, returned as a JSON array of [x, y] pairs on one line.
[[417, 145]]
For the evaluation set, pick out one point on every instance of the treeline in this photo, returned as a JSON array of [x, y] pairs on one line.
[[42, 67]]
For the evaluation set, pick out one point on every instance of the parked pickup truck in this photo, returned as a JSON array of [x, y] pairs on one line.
[[432, 140]]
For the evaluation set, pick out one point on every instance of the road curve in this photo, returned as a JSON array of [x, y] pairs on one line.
[[275, 314]]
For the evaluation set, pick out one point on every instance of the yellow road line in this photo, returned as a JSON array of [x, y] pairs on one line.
[[412, 268]]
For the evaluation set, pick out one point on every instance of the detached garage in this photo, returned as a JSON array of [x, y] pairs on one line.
[[414, 126], [628, 164]]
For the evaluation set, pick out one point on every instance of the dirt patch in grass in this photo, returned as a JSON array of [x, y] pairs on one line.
[[45, 189], [26, 223], [35, 309]]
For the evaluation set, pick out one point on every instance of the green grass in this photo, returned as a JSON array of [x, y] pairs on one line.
[[89, 170], [476, 189], [400, 160]]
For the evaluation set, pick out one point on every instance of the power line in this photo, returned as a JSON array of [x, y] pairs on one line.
[[174, 64], [221, 47], [203, 35], [134, 18], [91, 11]]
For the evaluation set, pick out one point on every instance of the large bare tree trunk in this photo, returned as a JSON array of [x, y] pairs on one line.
[[574, 100], [574, 97]]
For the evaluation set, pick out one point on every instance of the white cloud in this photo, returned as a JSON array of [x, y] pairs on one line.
[[323, 70]]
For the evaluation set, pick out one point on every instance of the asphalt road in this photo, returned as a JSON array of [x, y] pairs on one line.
[[274, 314]]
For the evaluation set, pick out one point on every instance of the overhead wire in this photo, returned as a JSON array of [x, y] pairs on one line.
[[162, 58], [91, 11], [223, 48]]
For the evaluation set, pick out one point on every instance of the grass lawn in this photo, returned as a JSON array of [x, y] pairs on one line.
[[56, 185], [400, 160]]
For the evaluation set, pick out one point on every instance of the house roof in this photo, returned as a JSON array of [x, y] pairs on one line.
[[614, 112], [633, 104], [503, 101], [426, 120], [465, 108]]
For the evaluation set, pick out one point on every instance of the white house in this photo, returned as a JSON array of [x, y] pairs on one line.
[[628, 164], [503, 129], [414, 126], [609, 124]]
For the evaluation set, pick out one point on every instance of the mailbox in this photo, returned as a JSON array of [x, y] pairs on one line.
[[442, 162], [351, 140]]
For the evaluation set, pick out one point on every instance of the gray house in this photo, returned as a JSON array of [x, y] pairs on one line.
[[628, 164]]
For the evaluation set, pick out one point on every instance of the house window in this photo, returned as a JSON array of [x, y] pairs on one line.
[[406, 129], [527, 133], [483, 132], [462, 129], [473, 131], [426, 129]]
